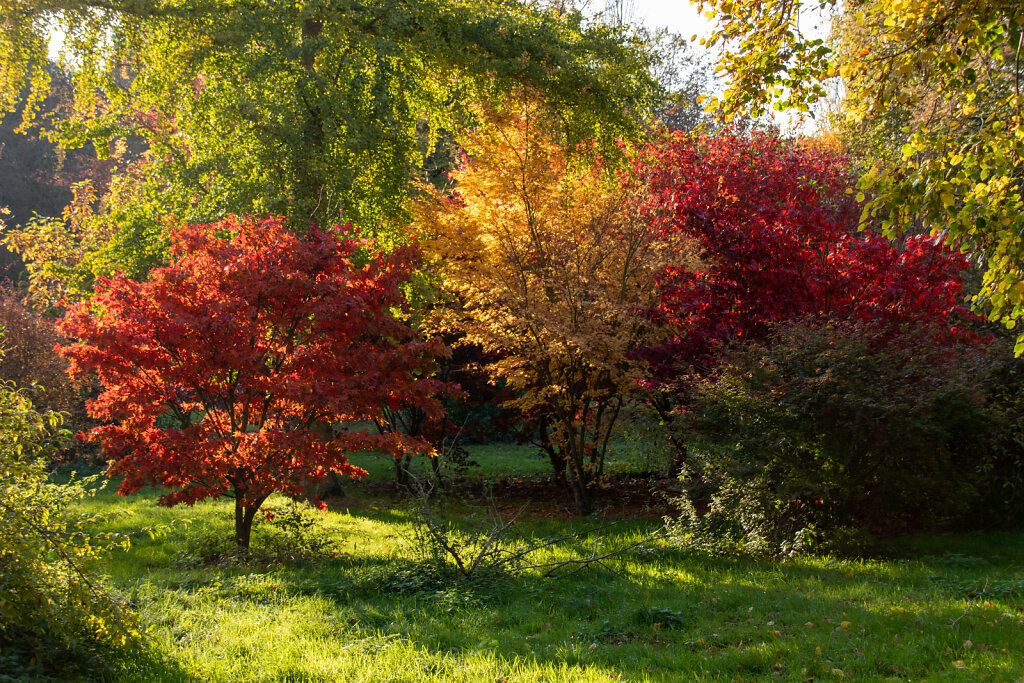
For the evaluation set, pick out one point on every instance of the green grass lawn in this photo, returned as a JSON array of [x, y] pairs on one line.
[[494, 461], [500, 460], [370, 613]]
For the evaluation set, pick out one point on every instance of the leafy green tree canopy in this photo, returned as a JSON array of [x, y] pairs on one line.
[[304, 109], [952, 68]]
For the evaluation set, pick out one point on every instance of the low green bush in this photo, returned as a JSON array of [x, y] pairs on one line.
[[56, 617]]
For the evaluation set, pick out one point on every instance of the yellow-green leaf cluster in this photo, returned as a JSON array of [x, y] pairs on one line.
[[56, 251]]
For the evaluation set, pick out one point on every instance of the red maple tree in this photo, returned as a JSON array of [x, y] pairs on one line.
[[775, 231], [251, 338]]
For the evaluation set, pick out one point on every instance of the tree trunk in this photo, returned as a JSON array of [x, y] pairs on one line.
[[313, 132], [330, 485], [558, 465], [402, 475], [243, 524], [584, 496], [583, 485], [556, 459], [244, 516], [664, 409]]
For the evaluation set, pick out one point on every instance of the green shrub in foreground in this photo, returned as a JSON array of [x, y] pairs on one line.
[[56, 619]]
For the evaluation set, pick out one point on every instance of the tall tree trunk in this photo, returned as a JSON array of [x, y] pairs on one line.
[[403, 477], [243, 524], [664, 409], [584, 490], [331, 484], [314, 125], [558, 465]]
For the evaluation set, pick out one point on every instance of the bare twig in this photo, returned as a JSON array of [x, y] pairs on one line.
[[566, 537], [494, 552], [585, 562], [972, 603]]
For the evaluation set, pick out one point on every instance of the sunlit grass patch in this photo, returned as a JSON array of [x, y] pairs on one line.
[[372, 613]]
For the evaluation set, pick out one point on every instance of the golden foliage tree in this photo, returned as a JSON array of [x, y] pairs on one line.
[[541, 249]]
